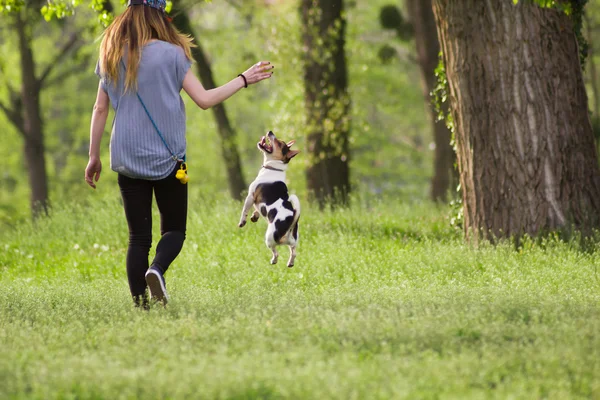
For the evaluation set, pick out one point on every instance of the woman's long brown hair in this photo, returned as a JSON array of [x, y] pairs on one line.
[[134, 28]]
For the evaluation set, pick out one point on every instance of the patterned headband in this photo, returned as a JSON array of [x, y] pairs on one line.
[[158, 4]]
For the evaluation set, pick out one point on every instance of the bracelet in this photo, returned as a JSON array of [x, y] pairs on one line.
[[245, 81]]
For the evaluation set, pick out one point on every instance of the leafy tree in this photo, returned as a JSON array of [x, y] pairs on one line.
[[525, 146], [23, 106], [327, 101]]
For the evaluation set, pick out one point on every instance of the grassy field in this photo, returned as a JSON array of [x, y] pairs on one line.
[[385, 302]]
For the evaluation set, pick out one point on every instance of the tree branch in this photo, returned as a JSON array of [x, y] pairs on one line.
[[64, 74], [65, 49], [14, 116]]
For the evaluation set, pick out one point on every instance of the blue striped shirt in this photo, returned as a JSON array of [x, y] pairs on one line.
[[136, 149]]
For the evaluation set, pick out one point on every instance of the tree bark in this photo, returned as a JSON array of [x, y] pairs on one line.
[[229, 150], [33, 133], [526, 152], [428, 49], [327, 102]]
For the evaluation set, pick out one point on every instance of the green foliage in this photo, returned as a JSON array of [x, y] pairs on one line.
[[387, 53], [8, 6], [440, 96], [105, 17], [577, 13], [561, 5], [391, 18], [385, 301], [62, 9], [457, 216], [59, 9]]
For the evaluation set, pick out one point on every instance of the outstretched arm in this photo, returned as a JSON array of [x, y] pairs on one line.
[[208, 98]]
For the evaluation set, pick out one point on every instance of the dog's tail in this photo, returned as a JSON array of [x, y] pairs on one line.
[[293, 227], [296, 204]]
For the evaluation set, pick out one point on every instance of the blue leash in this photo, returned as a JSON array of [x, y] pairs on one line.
[[173, 155]]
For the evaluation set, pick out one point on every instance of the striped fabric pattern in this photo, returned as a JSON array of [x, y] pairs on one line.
[[136, 149]]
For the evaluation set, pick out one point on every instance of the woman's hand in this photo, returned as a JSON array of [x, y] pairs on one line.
[[92, 171], [260, 71]]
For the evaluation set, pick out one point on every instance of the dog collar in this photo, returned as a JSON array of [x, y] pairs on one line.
[[272, 168]]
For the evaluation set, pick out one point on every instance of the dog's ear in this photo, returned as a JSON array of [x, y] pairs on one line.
[[291, 143], [292, 153]]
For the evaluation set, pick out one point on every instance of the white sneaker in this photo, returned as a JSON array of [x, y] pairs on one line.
[[156, 284]]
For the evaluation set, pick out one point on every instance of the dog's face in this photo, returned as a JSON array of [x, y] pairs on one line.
[[275, 149]]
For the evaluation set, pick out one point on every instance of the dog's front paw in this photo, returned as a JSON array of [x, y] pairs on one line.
[[242, 223], [254, 217]]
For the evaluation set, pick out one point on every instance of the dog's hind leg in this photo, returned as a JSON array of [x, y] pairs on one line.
[[293, 243], [272, 243], [275, 255], [292, 258]]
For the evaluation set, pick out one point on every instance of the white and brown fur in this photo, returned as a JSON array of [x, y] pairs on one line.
[[270, 198]]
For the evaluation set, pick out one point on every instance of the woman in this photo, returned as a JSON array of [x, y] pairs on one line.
[[144, 63]]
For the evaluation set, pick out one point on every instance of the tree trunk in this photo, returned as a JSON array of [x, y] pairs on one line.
[[35, 158], [327, 102], [526, 152], [228, 141], [428, 49]]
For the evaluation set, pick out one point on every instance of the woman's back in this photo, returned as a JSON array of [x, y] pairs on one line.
[[137, 150]]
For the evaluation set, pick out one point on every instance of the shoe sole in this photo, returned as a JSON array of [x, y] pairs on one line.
[[158, 291]]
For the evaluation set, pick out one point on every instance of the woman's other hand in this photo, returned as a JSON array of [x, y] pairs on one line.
[[260, 71], [92, 171]]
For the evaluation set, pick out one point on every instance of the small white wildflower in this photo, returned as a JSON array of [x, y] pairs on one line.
[[96, 245], [104, 247], [75, 263], [76, 247], [195, 246], [30, 256]]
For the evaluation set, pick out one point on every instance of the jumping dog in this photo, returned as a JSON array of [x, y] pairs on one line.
[[269, 196]]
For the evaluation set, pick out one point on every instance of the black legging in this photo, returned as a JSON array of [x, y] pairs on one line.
[[172, 199]]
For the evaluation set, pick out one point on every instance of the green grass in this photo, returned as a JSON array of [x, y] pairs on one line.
[[385, 301]]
